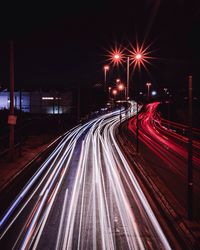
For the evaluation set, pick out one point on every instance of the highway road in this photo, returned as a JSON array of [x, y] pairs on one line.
[[167, 152], [84, 196]]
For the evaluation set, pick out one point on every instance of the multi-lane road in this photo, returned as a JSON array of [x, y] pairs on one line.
[[167, 152], [84, 196]]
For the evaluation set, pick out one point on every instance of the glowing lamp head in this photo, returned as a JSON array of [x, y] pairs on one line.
[[106, 67], [120, 86], [114, 91], [117, 57], [148, 84], [118, 80], [138, 56]]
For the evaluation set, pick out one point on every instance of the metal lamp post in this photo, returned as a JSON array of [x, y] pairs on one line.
[[121, 88], [190, 165], [148, 84], [106, 68]]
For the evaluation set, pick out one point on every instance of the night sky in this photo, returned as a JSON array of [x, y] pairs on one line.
[[59, 46]]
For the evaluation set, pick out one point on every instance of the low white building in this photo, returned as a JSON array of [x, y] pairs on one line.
[[38, 102]]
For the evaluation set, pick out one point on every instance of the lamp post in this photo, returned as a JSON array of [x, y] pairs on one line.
[[127, 78], [106, 68], [148, 84], [190, 166], [137, 129], [121, 87], [114, 92], [138, 56], [118, 81], [109, 90]]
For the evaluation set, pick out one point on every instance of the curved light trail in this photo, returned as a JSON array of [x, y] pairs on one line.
[[84, 196], [160, 136], [155, 133]]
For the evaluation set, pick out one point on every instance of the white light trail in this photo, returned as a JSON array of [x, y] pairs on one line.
[[105, 208]]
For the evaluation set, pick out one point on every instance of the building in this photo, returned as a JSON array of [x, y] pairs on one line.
[[39, 102]]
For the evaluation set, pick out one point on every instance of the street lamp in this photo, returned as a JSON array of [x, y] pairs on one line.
[[148, 84], [118, 80], [106, 68], [190, 154], [121, 87], [114, 92], [109, 89], [136, 57], [117, 58]]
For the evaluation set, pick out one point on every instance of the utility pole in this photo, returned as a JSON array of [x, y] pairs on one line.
[[137, 129], [11, 117], [127, 79], [190, 165]]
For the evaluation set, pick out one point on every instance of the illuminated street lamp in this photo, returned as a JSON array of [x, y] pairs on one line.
[[109, 90], [121, 87], [138, 57], [119, 58], [114, 92], [148, 84], [106, 68], [118, 80]]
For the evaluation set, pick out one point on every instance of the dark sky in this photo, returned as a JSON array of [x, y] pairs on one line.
[[60, 46]]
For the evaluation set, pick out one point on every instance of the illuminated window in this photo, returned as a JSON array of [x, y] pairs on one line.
[[47, 98]]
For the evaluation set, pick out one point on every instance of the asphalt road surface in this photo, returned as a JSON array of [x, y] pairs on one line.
[[84, 196], [167, 152]]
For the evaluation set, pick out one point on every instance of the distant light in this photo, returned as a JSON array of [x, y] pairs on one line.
[[141, 93], [47, 98], [106, 67], [118, 80], [121, 86], [154, 93], [148, 84]]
